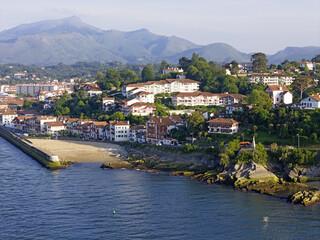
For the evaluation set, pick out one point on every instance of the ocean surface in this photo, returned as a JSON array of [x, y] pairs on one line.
[[78, 203]]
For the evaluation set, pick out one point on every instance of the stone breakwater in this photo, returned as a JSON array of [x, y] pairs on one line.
[[244, 177], [49, 161]]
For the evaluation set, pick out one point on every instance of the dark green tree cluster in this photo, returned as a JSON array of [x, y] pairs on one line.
[[212, 77], [115, 78], [284, 123], [259, 63], [292, 157]]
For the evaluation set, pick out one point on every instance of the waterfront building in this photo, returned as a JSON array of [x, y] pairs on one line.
[[119, 131], [53, 127], [137, 134], [7, 116], [158, 128], [97, 130]]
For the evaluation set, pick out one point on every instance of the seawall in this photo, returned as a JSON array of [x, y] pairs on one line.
[[48, 161]]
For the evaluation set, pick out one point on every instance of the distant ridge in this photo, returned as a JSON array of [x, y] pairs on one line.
[[70, 40]]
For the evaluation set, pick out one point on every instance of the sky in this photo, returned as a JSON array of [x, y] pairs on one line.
[[248, 25]]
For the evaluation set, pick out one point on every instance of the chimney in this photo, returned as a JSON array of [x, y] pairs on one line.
[[280, 88], [160, 120]]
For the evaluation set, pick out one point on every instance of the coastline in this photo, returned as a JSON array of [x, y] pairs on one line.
[[197, 166], [243, 177]]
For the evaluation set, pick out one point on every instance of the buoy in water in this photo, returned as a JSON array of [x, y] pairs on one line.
[[114, 212], [265, 219]]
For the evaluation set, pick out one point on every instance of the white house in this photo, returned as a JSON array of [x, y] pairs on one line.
[[144, 96], [235, 107], [53, 127], [92, 89], [223, 125], [169, 70], [279, 94], [140, 109], [309, 65], [108, 103], [7, 116], [311, 102]]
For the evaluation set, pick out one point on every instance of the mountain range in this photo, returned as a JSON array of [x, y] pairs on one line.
[[70, 40]]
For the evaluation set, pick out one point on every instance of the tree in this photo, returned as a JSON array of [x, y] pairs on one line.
[[259, 62], [234, 68], [184, 63], [303, 83], [260, 155], [316, 58], [259, 100], [118, 116], [163, 65], [196, 121], [147, 74], [27, 104]]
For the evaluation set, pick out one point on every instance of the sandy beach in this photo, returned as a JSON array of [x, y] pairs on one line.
[[78, 151]]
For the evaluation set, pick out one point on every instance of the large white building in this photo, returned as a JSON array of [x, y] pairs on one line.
[[35, 88], [119, 131], [162, 86], [279, 94], [277, 79], [206, 99], [312, 102]]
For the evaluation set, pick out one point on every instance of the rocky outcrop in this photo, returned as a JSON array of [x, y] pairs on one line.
[[303, 174], [117, 165], [246, 171], [305, 198]]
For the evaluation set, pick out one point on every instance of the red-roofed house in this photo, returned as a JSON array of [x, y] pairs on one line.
[[279, 94], [158, 128], [223, 125], [140, 109], [53, 127]]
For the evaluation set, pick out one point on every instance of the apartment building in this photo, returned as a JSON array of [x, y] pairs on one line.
[[277, 79], [162, 86]]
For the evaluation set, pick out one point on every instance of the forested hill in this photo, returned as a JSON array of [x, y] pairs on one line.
[[70, 40]]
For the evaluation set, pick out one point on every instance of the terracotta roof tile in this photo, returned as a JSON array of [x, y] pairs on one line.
[[223, 120]]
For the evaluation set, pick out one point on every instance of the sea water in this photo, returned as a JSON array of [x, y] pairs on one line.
[[87, 202]]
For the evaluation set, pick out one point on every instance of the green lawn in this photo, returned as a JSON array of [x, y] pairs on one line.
[[267, 139]]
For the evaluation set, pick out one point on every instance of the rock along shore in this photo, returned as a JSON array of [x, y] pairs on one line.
[[244, 177]]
